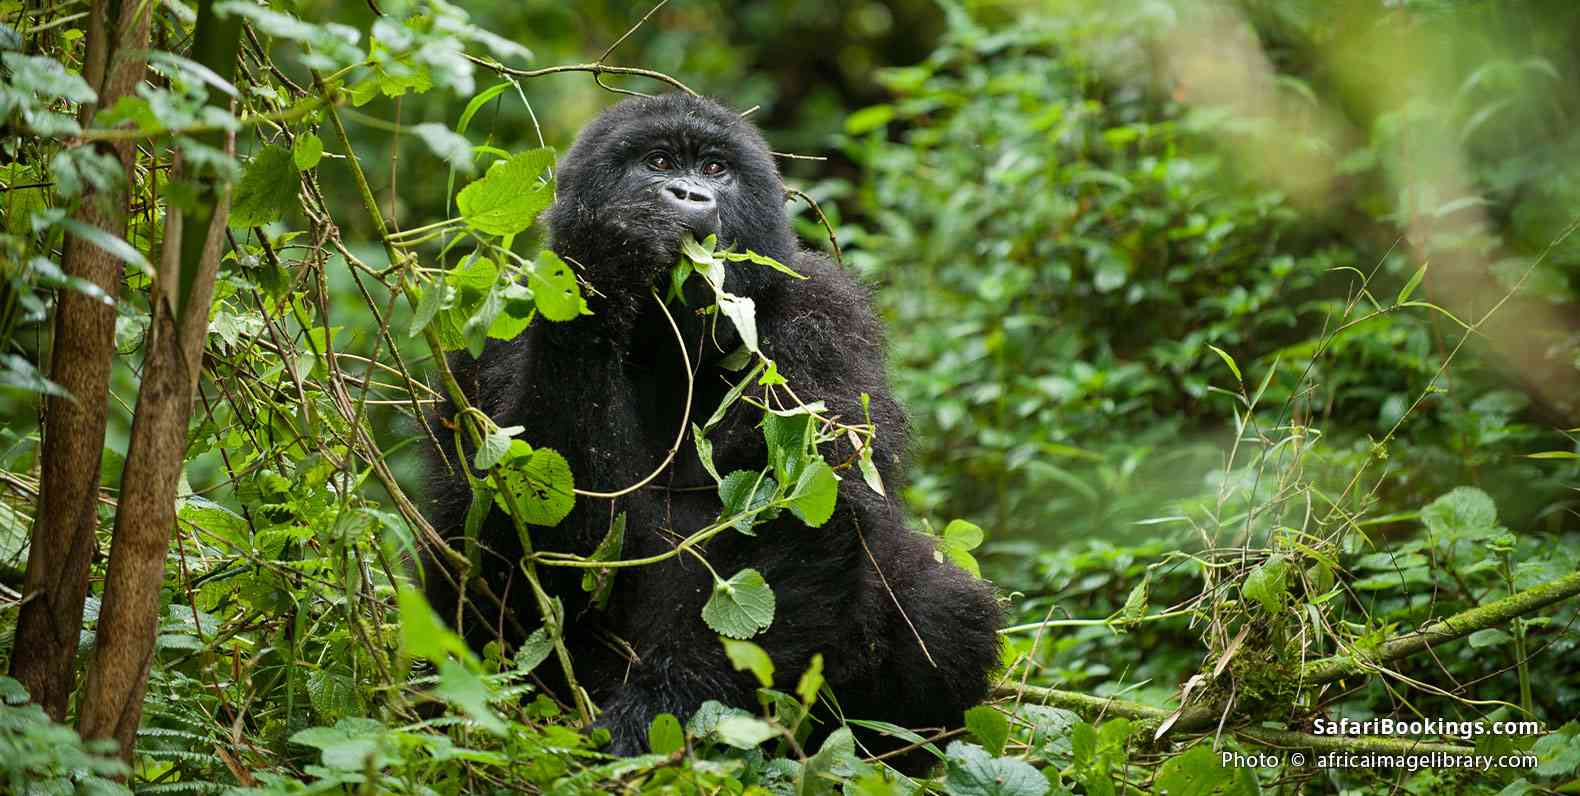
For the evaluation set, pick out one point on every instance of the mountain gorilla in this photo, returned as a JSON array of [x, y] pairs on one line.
[[905, 637]]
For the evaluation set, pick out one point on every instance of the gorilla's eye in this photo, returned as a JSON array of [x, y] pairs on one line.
[[660, 162], [714, 168]]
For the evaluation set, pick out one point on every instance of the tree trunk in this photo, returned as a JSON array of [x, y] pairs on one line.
[[128, 620], [62, 544]]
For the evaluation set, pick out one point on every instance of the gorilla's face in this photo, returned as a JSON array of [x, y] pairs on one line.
[[653, 169]]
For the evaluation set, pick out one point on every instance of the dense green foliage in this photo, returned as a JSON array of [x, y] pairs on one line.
[[1190, 311]]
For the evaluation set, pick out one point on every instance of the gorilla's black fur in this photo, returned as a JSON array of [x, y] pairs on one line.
[[905, 638]]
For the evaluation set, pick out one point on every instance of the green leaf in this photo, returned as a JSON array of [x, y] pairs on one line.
[[743, 732], [740, 607], [990, 726], [1267, 583], [815, 493], [787, 437], [1490, 637], [1198, 772], [811, 680], [554, 288], [267, 189], [956, 542], [742, 312], [1464, 513], [748, 657], [868, 119], [974, 772], [353, 744], [423, 635], [464, 689], [1411, 285], [541, 479], [535, 650], [508, 198], [743, 491], [1227, 360], [664, 736], [451, 147], [600, 582], [307, 151], [428, 306], [496, 443]]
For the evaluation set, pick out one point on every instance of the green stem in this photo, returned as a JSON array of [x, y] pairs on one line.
[[458, 396]]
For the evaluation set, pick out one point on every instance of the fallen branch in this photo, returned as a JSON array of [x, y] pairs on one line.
[[1205, 715]]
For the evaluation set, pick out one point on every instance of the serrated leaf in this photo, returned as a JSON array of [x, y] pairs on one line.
[[748, 657], [541, 479], [974, 772], [267, 189], [743, 491], [740, 607], [507, 199], [1464, 513], [990, 726], [307, 151], [815, 493], [535, 650], [664, 735]]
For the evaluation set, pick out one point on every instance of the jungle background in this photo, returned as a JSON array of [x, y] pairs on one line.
[[1241, 340]]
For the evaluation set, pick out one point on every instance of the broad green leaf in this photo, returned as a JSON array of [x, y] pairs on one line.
[[972, 771], [307, 151], [353, 744], [496, 443], [541, 479], [1489, 637], [423, 635], [1198, 772], [554, 288], [815, 493], [745, 490], [743, 732], [664, 735], [451, 147], [868, 119], [740, 607], [1267, 583], [742, 312], [1464, 513], [957, 541], [267, 189], [990, 726], [507, 199], [748, 657], [787, 437], [463, 688]]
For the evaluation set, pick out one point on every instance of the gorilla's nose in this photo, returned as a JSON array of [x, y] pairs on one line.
[[695, 205]]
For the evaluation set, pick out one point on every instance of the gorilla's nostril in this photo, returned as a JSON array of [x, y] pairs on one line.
[[689, 193]]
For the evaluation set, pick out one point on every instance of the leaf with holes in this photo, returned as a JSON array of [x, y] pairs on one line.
[[554, 288], [541, 479]]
